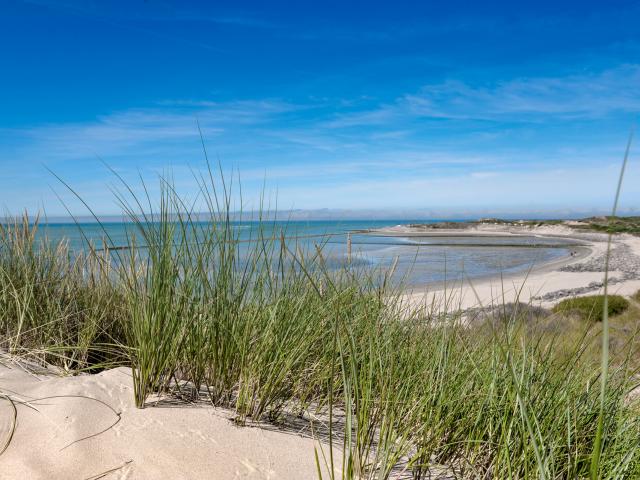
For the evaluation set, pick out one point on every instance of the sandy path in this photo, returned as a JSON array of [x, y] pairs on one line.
[[170, 442]]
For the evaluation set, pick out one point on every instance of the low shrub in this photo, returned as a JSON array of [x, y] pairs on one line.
[[591, 307]]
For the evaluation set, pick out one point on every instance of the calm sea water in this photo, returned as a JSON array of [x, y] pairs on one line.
[[418, 260]]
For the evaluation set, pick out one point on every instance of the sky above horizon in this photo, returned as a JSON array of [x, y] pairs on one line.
[[440, 106]]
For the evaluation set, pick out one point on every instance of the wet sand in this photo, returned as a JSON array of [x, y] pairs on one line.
[[544, 284]]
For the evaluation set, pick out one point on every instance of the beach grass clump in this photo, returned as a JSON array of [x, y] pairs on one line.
[[427, 398], [591, 307], [55, 306]]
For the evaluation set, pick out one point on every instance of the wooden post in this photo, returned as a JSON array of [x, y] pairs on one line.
[[282, 245], [349, 247]]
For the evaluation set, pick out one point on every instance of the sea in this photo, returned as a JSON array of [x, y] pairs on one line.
[[410, 261]]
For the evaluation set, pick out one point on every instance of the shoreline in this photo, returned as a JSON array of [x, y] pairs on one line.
[[582, 252], [544, 284]]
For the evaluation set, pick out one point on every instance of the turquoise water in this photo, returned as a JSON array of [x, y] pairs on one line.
[[418, 260]]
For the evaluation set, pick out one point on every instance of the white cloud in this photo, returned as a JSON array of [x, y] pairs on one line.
[[484, 174], [574, 96], [134, 131], [578, 96]]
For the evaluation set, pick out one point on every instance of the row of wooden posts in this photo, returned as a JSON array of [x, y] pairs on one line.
[[107, 248]]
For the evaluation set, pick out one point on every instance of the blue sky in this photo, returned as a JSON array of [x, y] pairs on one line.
[[439, 106]]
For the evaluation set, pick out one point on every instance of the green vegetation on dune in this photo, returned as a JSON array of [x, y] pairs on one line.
[[603, 224], [592, 307], [611, 224], [524, 223], [271, 331], [55, 304]]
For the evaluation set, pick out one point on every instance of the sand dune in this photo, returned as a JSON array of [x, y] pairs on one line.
[[58, 435]]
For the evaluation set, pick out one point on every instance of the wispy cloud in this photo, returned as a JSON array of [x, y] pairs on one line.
[[134, 131], [535, 99], [574, 96], [484, 174]]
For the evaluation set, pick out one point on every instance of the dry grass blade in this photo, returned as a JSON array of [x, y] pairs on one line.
[[107, 472], [12, 428], [604, 366], [84, 397]]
